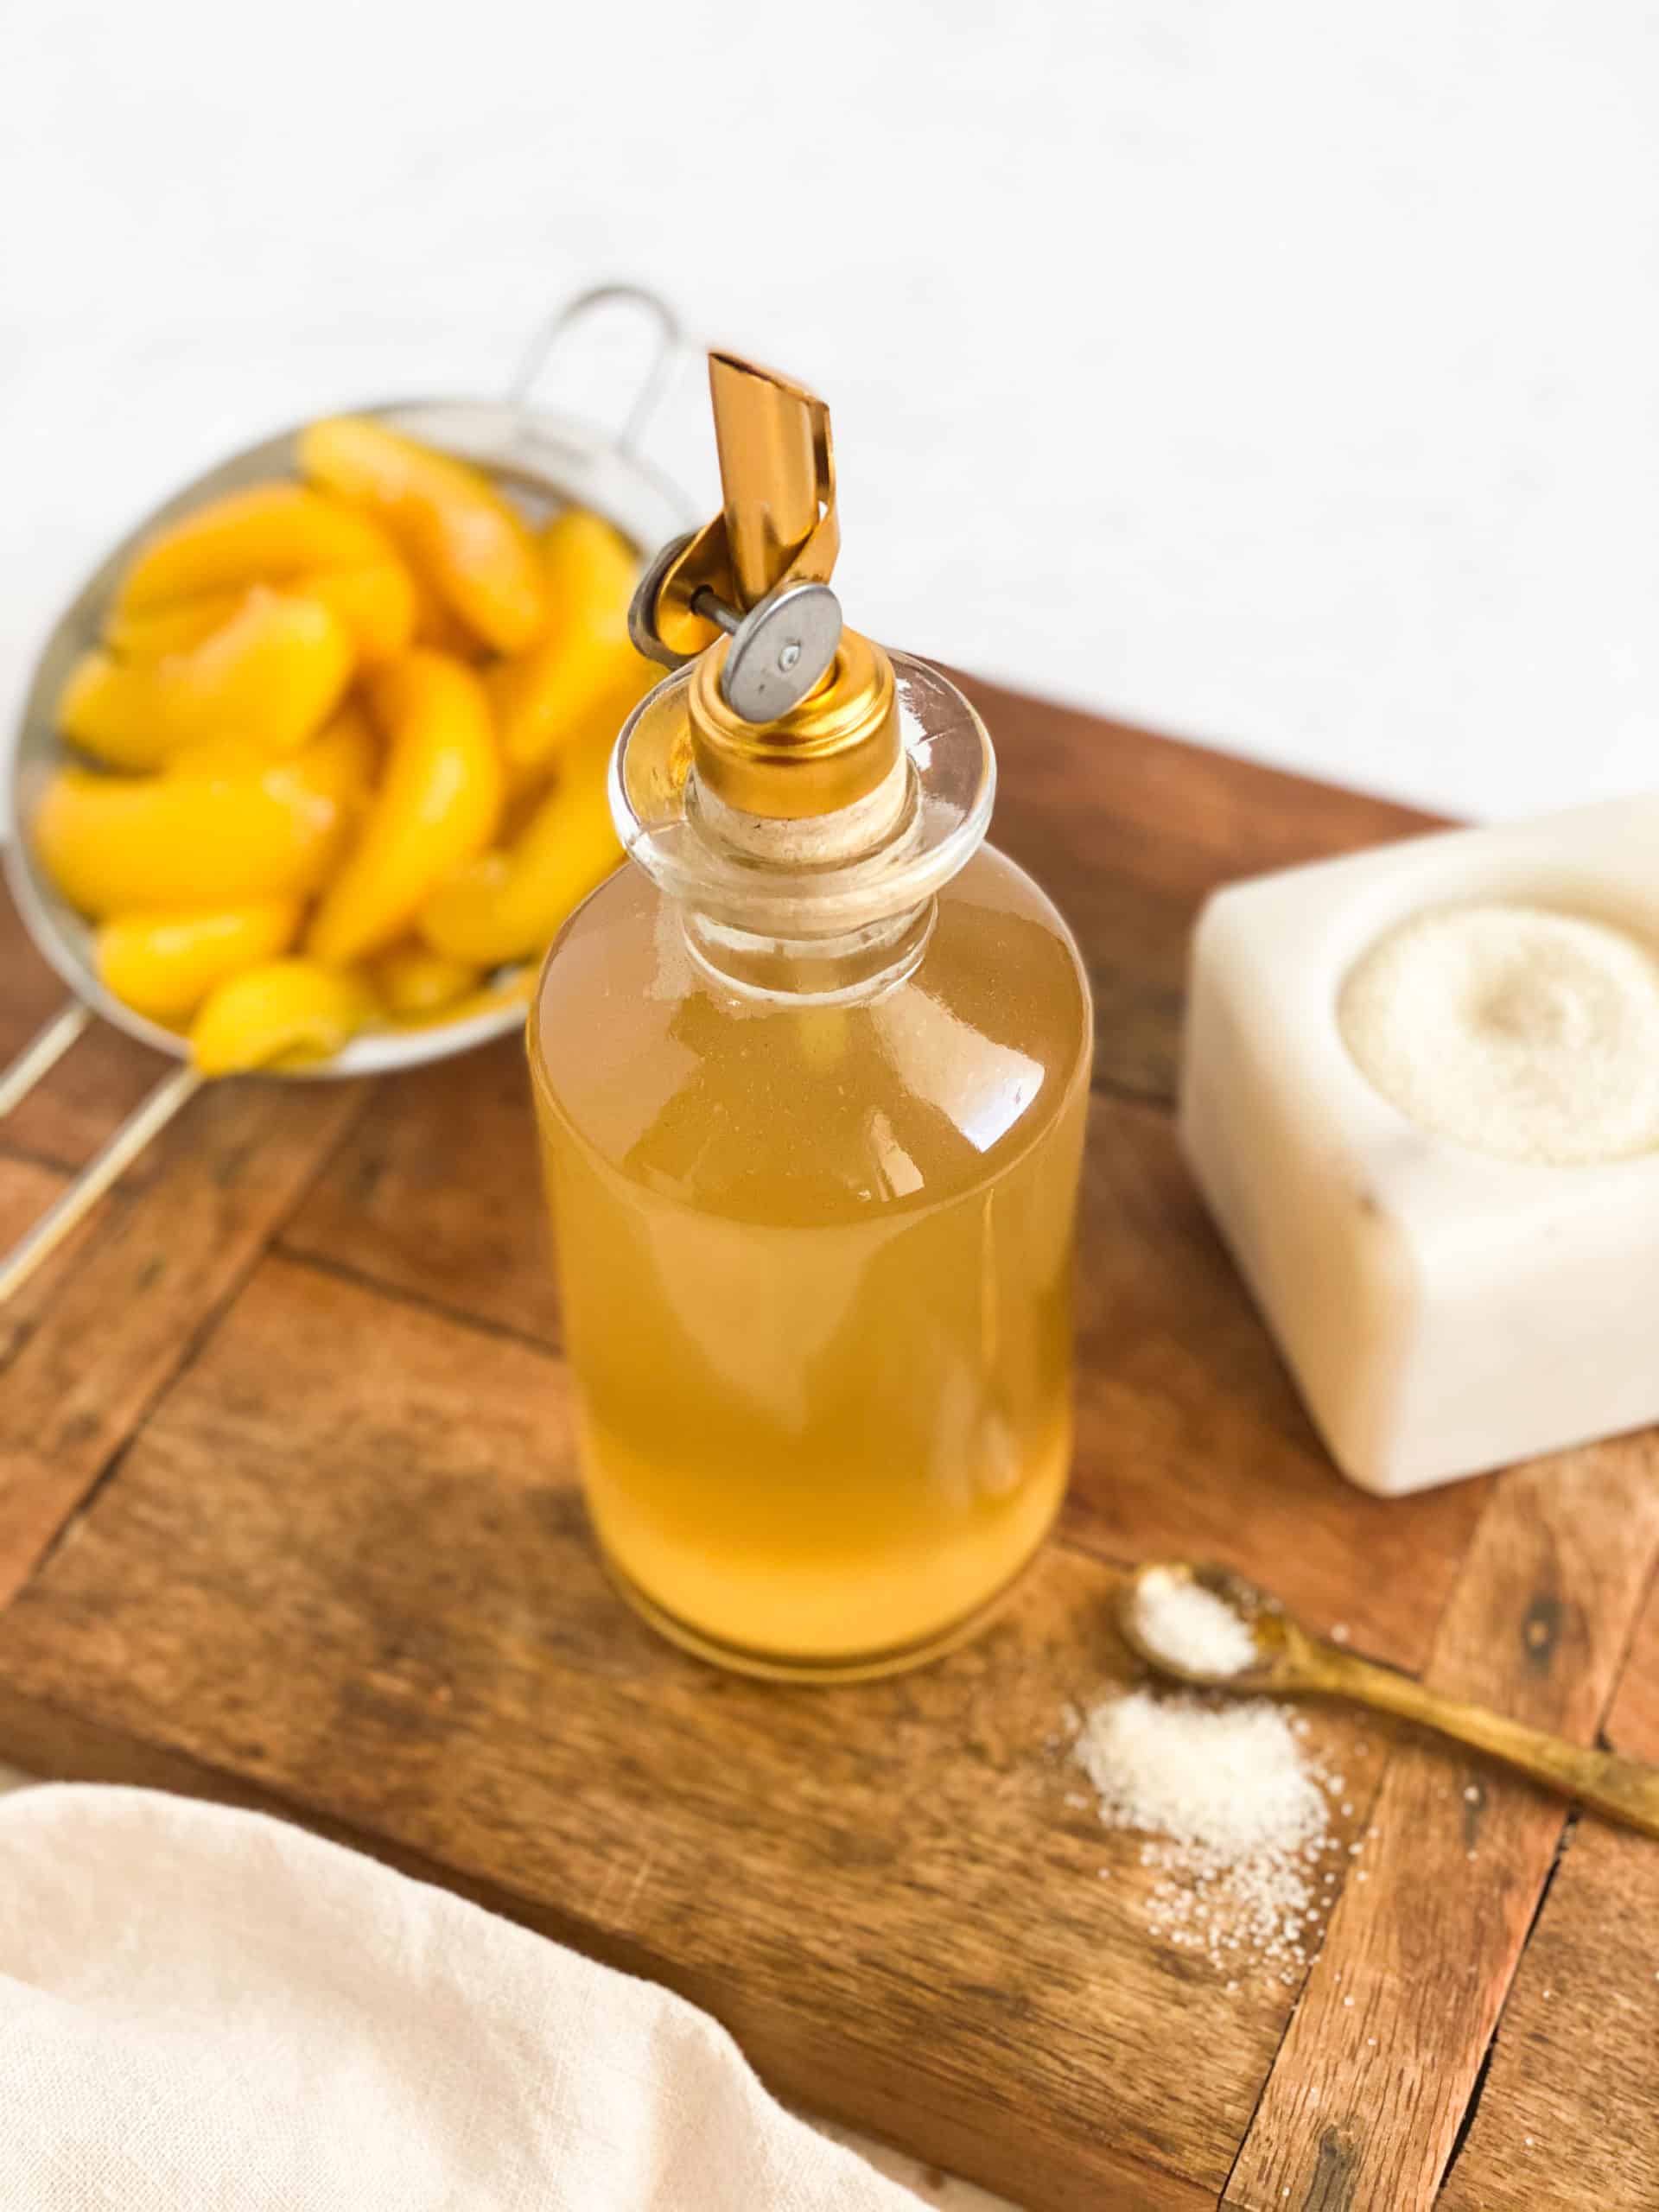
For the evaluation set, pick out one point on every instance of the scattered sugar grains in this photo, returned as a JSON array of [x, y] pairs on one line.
[[1190, 1626], [1236, 1816]]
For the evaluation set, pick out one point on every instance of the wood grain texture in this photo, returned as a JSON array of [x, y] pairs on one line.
[[393, 1620], [1191, 1442], [1363, 2107], [436, 1195], [64, 1120], [287, 1516], [27, 1189], [1190, 1437], [101, 1332], [1566, 2116]]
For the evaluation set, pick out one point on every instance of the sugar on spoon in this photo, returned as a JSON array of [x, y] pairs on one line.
[[1210, 1627]]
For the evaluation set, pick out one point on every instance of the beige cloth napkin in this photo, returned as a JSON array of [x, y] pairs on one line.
[[203, 2009]]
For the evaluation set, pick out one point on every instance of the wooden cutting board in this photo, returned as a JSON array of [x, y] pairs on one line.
[[289, 1516]]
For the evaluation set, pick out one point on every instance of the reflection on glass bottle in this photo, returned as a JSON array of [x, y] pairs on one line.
[[812, 1086]]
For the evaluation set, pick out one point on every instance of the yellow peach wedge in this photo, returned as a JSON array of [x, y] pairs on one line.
[[450, 520], [437, 807], [206, 836], [578, 682], [282, 1013], [155, 632], [412, 982], [437, 623], [376, 606], [273, 671], [164, 964], [347, 741], [269, 533], [510, 902], [513, 988]]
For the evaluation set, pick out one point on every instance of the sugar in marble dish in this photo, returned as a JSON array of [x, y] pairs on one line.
[[1421, 1098], [1517, 1030]]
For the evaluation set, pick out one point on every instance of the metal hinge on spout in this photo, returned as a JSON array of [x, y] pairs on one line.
[[759, 573]]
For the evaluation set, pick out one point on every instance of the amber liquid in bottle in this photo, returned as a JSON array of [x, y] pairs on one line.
[[815, 1252]]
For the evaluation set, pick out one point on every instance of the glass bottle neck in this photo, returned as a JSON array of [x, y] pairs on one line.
[[796, 958], [826, 907], [839, 970]]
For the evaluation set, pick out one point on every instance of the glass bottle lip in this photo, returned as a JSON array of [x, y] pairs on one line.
[[950, 785]]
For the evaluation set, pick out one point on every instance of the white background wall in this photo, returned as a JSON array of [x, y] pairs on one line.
[[1281, 372]]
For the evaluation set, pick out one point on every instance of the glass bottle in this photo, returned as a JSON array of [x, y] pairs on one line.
[[811, 1077]]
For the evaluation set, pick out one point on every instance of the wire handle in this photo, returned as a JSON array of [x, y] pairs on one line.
[[145, 1122], [545, 343], [41, 1054]]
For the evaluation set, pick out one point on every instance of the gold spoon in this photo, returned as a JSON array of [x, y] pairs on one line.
[[1292, 1663]]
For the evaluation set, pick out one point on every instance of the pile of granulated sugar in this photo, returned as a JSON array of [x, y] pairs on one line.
[[1236, 1819]]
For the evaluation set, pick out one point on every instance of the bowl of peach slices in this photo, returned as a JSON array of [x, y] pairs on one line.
[[315, 764], [334, 765]]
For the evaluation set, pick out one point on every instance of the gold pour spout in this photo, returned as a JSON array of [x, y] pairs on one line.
[[790, 714], [778, 523], [777, 471]]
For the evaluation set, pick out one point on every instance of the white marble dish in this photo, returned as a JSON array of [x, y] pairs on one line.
[[1443, 1311]]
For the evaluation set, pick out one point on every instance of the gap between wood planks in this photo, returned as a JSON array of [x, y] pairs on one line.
[[1317, 2124], [59, 1744], [1571, 1824], [1618, 1662], [1563, 1844], [1330, 2190], [1465, 2125], [30, 1156], [1336, 2199], [117, 1210], [1399, 1731], [326, 1263]]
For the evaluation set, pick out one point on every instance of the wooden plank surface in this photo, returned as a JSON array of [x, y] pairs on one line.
[[1375, 2073], [65, 1120], [152, 1267], [395, 1207], [1192, 1441], [1567, 2113], [287, 1515]]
